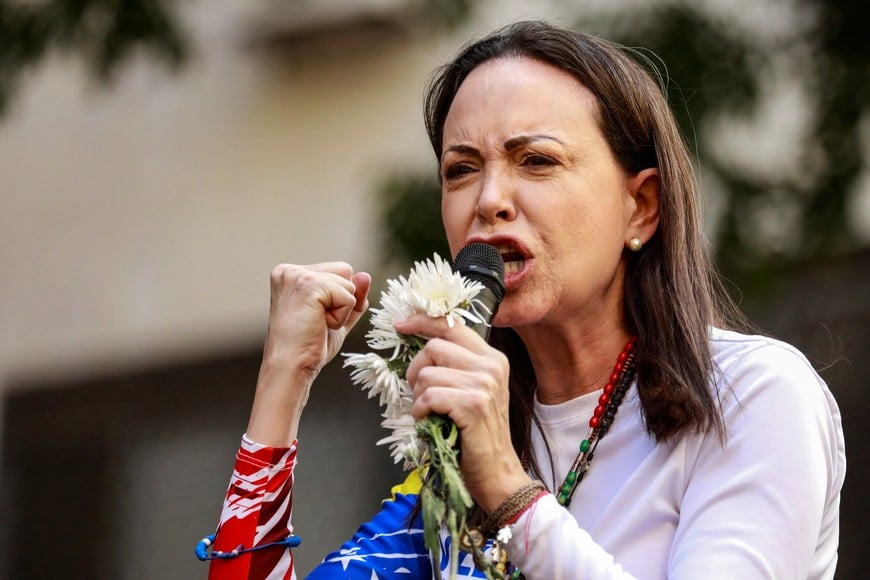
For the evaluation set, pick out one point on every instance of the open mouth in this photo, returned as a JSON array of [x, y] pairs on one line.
[[518, 260], [514, 261]]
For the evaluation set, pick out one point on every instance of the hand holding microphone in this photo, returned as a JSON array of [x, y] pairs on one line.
[[459, 375]]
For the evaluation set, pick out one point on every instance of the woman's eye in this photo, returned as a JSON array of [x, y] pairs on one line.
[[537, 160], [457, 170]]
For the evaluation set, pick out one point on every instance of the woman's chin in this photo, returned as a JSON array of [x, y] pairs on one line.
[[511, 316]]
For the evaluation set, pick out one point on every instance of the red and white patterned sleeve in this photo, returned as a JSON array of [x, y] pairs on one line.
[[257, 511]]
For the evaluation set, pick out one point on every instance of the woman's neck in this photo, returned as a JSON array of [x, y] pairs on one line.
[[571, 361]]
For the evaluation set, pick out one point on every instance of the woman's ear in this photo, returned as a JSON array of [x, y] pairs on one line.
[[643, 214]]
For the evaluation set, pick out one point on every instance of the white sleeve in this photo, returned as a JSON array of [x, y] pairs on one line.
[[548, 543], [762, 505], [766, 503]]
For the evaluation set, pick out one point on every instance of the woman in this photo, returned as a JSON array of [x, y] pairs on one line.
[[723, 454]]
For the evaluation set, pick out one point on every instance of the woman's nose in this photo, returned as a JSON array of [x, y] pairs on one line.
[[496, 200]]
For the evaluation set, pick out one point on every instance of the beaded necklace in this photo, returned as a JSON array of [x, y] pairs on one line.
[[600, 422]]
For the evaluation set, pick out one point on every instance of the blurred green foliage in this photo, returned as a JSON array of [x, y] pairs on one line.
[[716, 72], [447, 14], [412, 213], [104, 32]]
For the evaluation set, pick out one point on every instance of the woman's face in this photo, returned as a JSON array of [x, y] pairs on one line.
[[526, 168]]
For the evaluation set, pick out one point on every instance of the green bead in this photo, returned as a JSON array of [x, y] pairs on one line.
[[584, 445], [571, 477], [562, 499]]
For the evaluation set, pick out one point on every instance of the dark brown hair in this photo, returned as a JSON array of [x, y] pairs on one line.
[[672, 293]]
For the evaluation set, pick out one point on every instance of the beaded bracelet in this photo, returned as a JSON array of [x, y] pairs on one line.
[[514, 505]]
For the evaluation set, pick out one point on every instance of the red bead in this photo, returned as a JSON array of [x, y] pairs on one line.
[[622, 356], [617, 368], [603, 399], [608, 389], [599, 410], [614, 377], [594, 422]]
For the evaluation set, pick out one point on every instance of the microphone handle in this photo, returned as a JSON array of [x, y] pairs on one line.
[[488, 299]]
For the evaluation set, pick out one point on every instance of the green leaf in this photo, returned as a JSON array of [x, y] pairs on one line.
[[433, 513]]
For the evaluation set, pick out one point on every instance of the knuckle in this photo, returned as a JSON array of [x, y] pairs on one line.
[[303, 279], [304, 276], [490, 385], [492, 367], [284, 273], [424, 376], [435, 346], [479, 402], [344, 269], [277, 273], [424, 399], [500, 366]]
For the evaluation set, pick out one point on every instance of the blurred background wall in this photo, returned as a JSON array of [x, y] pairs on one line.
[[158, 158]]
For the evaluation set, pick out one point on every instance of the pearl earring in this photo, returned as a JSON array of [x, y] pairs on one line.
[[634, 244]]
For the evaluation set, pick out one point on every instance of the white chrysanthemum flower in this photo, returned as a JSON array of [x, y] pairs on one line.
[[374, 374], [431, 288], [393, 303], [394, 306], [382, 335], [403, 442], [435, 289], [402, 404]]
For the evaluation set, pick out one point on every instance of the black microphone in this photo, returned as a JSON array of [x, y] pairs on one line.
[[482, 263]]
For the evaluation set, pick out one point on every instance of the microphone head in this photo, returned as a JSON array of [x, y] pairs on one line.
[[482, 263]]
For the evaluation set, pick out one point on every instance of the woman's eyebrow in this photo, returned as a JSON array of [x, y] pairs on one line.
[[465, 149], [521, 140], [509, 145]]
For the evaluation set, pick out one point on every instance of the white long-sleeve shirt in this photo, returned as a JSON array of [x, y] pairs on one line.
[[762, 504]]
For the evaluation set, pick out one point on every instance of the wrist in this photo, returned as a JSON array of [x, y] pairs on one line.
[[504, 489], [279, 399], [512, 508]]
